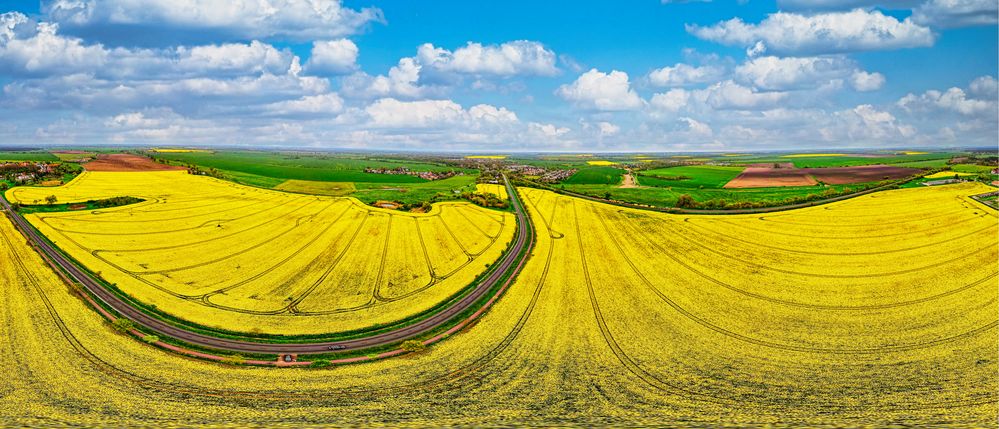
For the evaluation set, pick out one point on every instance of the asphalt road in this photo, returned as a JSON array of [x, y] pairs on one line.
[[507, 266]]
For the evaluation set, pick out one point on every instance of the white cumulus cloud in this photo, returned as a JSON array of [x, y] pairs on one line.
[[956, 13], [730, 95], [601, 91], [684, 74], [35, 48], [787, 73], [670, 101], [519, 57], [953, 100], [864, 81], [322, 104], [332, 57], [392, 113], [246, 19], [785, 33]]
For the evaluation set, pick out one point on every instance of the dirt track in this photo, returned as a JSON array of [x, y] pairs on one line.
[[629, 181]]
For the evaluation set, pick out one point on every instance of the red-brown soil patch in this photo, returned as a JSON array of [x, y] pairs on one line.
[[392, 205], [761, 177], [860, 174], [126, 162]]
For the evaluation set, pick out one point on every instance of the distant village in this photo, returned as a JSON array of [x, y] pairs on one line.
[[29, 172], [543, 175], [426, 175]]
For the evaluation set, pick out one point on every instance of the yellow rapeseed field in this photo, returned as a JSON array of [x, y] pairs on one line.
[[947, 174], [602, 163], [255, 260], [876, 310], [488, 188], [180, 150]]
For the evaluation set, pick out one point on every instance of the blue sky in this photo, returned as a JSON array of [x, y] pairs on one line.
[[501, 76]]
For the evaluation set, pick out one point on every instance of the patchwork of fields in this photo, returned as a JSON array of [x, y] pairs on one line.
[[253, 260], [871, 310]]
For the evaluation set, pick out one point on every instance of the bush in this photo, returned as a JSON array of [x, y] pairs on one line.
[[685, 201], [149, 339], [413, 346], [234, 360], [122, 324], [320, 363]]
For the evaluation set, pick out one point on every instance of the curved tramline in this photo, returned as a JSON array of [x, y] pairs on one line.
[[618, 313], [455, 300], [283, 264]]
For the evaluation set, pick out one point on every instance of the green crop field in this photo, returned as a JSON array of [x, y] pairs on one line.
[[27, 156], [695, 176], [596, 176], [932, 163], [413, 193], [971, 168], [666, 197], [296, 166], [270, 170]]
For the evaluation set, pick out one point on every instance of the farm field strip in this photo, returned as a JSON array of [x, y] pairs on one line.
[[268, 261], [488, 188], [607, 321]]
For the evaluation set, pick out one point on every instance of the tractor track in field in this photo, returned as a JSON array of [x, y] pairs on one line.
[[507, 269]]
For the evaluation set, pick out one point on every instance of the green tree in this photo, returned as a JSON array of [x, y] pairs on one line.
[[150, 339], [685, 201]]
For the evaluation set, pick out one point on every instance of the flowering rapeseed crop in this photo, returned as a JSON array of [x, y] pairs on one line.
[[254, 260], [487, 188], [874, 310]]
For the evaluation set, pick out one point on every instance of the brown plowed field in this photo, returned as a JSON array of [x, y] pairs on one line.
[[764, 177], [864, 173], [126, 162]]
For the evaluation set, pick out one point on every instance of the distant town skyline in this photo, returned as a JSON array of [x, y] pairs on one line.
[[656, 76]]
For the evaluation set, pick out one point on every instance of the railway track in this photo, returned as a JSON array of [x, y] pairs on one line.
[[508, 267]]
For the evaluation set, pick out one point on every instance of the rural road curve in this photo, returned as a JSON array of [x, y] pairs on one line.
[[508, 265]]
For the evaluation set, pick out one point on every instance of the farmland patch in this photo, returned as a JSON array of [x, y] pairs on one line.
[[126, 162], [239, 258]]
